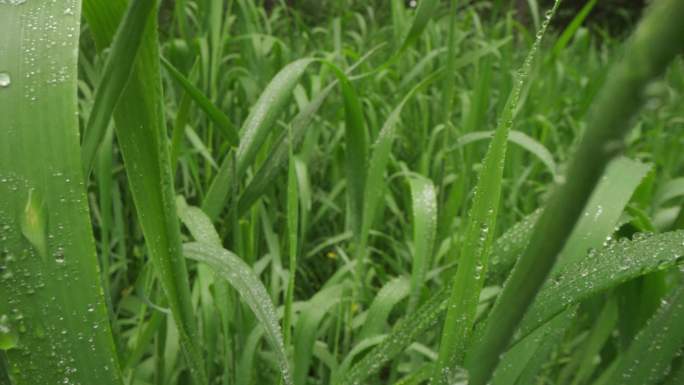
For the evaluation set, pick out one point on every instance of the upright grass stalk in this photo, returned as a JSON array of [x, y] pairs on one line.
[[479, 233], [54, 327], [141, 134], [654, 44]]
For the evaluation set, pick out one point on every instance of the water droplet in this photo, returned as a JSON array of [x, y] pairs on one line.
[[5, 80]]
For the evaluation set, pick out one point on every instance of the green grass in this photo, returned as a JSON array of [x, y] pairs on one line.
[[218, 192]]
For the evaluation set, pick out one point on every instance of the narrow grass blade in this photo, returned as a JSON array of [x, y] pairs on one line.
[[402, 335], [648, 358], [356, 150], [277, 157], [379, 310], [426, 9], [572, 28], [584, 361], [306, 328], [479, 232], [234, 270], [115, 76], [293, 240], [228, 130], [514, 361], [377, 166], [648, 52], [141, 135], [271, 103], [54, 326], [520, 138], [509, 246], [424, 204]]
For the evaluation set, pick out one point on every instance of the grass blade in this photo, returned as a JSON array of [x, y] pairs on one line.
[[141, 135], [479, 232], [306, 328], [520, 138], [424, 228], [603, 269], [115, 76], [228, 130], [655, 41], [648, 358], [261, 119], [426, 9], [379, 310], [51, 304], [231, 268]]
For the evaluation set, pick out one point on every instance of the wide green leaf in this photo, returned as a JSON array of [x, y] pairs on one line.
[[54, 326]]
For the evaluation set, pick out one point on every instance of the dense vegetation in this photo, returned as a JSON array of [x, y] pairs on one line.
[[236, 192]]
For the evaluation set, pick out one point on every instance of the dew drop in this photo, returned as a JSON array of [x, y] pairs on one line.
[[5, 80]]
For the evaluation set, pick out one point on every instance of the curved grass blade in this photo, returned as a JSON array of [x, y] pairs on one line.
[[648, 358], [276, 159], [115, 75], [515, 360], [228, 130], [424, 207], [234, 270], [509, 246], [572, 28], [601, 217], [379, 310], [278, 156], [306, 328], [376, 169], [479, 232], [603, 269], [520, 138], [141, 134], [261, 119], [54, 326], [426, 9], [356, 151], [402, 335], [651, 48]]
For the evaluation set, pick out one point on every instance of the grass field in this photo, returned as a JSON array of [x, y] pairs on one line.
[[228, 192]]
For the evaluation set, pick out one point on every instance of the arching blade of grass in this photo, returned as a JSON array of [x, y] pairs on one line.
[[520, 138], [356, 150], [115, 76], [648, 358], [234, 270], [276, 159], [424, 228], [377, 165], [402, 335], [654, 44], [306, 328], [141, 134], [601, 217], [278, 156], [379, 310], [271, 103], [228, 130], [514, 361], [572, 28], [479, 233], [426, 9], [602, 269], [54, 326]]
